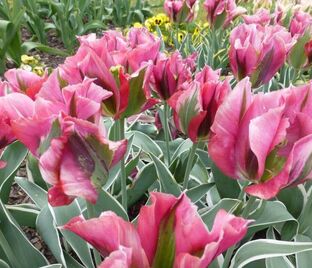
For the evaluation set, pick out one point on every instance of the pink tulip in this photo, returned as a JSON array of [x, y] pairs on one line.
[[181, 10], [264, 138], [258, 52], [118, 65], [301, 30], [222, 12], [171, 74], [176, 235], [74, 157], [25, 82], [195, 108], [262, 17], [300, 23], [81, 100], [12, 106]]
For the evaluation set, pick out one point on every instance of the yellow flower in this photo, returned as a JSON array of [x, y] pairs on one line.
[[149, 24], [160, 19], [38, 70], [181, 36], [137, 25], [29, 60]]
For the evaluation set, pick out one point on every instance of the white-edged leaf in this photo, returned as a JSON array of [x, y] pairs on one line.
[[266, 248], [169, 185]]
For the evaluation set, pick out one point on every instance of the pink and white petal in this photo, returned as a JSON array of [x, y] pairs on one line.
[[225, 128], [50, 161], [191, 234], [121, 258], [262, 142], [107, 233], [75, 177]]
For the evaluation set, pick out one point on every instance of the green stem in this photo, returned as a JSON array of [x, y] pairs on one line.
[[189, 165], [123, 168], [167, 131], [245, 214], [92, 214]]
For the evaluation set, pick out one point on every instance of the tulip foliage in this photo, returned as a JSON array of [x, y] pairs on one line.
[[136, 153]]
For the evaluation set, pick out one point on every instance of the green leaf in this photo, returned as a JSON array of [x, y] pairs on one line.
[[3, 264], [33, 172], [266, 248], [276, 261], [47, 230], [52, 266], [14, 155], [27, 46], [37, 194], [293, 199], [107, 202], [227, 204], [269, 214], [61, 216], [196, 193], [303, 259], [169, 185], [227, 187], [145, 143], [146, 177], [297, 56], [24, 215], [183, 147], [16, 245]]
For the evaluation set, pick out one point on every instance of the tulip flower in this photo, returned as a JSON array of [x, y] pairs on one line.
[[176, 235], [300, 23], [264, 138], [25, 82], [74, 156], [301, 29], [195, 107], [262, 17], [258, 52], [12, 106], [170, 74], [81, 100], [222, 12], [117, 65], [181, 10]]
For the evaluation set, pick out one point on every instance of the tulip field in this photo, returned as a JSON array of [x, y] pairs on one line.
[[155, 134]]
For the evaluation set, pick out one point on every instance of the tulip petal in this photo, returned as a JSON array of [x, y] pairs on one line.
[[107, 233], [221, 146]]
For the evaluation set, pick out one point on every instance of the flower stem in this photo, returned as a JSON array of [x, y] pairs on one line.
[[245, 214], [167, 131], [189, 165], [92, 214], [123, 168]]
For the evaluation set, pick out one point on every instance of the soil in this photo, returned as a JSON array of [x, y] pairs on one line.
[[53, 41]]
